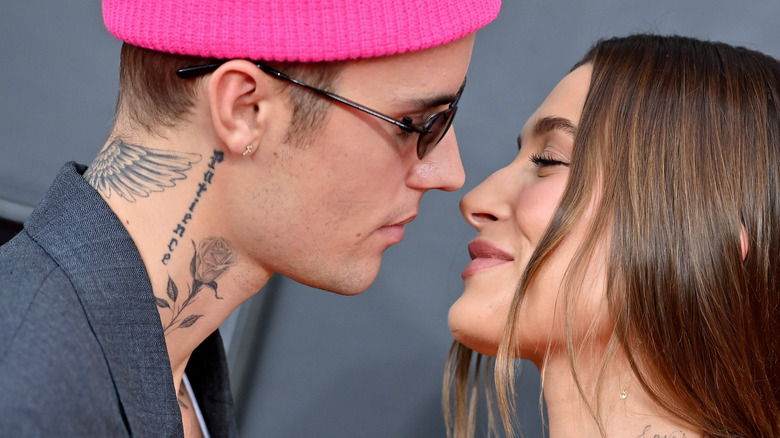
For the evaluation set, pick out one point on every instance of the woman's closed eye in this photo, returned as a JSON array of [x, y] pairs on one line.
[[545, 159]]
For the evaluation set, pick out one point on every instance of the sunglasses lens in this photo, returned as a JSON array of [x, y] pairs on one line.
[[437, 127]]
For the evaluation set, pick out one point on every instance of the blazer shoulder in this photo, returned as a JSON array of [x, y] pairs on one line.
[[30, 281], [53, 374]]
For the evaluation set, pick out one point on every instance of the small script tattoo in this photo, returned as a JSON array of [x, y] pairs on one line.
[[181, 398], [133, 171], [212, 258], [646, 433], [181, 227]]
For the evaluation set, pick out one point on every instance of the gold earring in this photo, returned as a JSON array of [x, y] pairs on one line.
[[248, 149]]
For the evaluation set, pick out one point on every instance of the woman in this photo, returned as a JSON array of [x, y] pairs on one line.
[[631, 251]]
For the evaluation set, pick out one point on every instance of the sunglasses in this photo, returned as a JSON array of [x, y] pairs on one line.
[[429, 133]]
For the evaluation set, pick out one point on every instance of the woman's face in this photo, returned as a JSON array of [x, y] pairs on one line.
[[511, 211]]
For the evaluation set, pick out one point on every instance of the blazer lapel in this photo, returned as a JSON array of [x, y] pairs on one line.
[[87, 240]]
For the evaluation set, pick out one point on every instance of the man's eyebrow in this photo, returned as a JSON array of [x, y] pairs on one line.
[[547, 124], [437, 100]]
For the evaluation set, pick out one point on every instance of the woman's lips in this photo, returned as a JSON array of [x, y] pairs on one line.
[[484, 255]]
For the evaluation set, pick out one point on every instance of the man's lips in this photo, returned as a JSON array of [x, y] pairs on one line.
[[484, 255], [406, 221], [395, 231]]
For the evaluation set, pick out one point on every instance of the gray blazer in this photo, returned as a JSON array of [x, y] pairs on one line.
[[82, 350]]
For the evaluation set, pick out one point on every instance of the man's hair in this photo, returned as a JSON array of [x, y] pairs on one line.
[[680, 138], [151, 95]]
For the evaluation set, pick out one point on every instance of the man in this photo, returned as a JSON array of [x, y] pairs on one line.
[[307, 160]]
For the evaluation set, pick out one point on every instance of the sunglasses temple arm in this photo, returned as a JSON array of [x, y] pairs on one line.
[[193, 72], [404, 125]]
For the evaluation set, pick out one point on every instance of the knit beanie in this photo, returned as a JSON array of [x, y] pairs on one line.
[[294, 30]]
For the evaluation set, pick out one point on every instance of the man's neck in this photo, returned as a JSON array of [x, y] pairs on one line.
[[167, 199]]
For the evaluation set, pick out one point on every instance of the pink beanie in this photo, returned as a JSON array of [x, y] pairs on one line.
[[294, 30]]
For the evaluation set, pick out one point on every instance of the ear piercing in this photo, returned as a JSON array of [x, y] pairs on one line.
[[248, 149]]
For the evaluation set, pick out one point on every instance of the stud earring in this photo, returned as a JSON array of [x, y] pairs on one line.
[[248, 149]]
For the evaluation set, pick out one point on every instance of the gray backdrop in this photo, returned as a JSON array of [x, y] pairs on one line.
[[307, 362]]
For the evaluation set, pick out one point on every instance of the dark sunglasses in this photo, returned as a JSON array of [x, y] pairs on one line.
[[429, 133]]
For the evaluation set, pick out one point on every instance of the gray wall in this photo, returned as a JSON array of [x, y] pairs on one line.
[[326, 365]]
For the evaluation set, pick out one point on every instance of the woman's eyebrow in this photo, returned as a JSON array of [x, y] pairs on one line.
[[550, 123], [547, 124]]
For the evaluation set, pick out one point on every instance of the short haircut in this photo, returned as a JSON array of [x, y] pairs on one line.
[[151, 95]]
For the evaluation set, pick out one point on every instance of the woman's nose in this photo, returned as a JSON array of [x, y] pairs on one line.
[[488, 202]]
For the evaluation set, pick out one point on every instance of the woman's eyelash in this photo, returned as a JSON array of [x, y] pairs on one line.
[[545, 159]]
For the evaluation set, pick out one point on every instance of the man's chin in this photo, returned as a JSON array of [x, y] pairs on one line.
[[345, 282], [354, 286]]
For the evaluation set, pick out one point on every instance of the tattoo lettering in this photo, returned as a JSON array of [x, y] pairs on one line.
[[210, 260], [133, 171], [181, 397], [181, 227], [647, 434]]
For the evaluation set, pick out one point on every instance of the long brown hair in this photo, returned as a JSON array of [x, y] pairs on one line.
[[681, 139]]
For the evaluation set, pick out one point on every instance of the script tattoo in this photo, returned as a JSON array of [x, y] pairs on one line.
[[132, 171], [646, 433], [181, 397], [210, 260], [181, 227]]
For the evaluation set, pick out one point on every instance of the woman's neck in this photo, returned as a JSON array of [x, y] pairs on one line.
[[616, 406]]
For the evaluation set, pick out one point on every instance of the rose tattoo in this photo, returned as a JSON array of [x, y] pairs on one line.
[[212, 258]]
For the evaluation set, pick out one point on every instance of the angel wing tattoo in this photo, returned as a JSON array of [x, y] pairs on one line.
[[133, 171]]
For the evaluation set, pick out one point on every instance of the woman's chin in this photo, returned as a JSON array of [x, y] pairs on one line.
[[480, 344]]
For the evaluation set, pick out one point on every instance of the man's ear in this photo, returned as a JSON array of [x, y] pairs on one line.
[[744, 243], [239, 97]]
